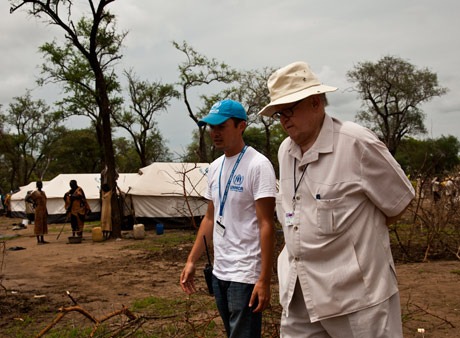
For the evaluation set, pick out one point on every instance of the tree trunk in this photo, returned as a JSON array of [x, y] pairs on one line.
[[108, 151], [202, 153], [100, 140]]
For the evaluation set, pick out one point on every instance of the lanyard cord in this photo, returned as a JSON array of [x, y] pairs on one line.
[[296, 185], [224, 199]]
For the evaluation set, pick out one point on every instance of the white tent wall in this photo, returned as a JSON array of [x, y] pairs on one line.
[[58, 186], [163, 178], [157, 192], [91, 185], [18, 203], [55, 190], [166, 206]]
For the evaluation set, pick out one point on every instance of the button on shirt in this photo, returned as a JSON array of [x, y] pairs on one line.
[[338, 245]]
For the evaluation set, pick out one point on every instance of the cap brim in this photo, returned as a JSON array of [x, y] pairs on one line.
[[270, 108], [212, 119]]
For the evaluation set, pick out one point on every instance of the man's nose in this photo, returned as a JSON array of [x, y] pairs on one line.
[[283, 118]]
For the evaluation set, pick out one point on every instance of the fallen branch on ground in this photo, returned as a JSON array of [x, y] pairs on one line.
[[432, 314], [97, 321]]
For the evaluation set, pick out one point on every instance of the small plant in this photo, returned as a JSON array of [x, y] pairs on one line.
[[159, 306]]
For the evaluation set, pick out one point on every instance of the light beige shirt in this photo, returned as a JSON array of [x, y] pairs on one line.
[[338, 245]]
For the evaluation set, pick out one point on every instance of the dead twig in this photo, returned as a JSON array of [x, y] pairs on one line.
[[97, 321], [70, 296], [433, 315]]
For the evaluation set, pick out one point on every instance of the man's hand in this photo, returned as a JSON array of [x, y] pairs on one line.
[[261, 293], [187, 278]]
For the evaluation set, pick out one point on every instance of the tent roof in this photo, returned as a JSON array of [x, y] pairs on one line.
[[166, 179], [21, 194], [90, 183], [157, 179], [59, 185], [125, 180]]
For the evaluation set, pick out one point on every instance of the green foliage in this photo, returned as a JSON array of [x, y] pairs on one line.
[[392, 91], [77, 151], [430, 228], [19, 327], [196, 71], [66, 65], [76, 332], [192, 151], [249, 88], [430, 157], [147, 101], [29, 131], [254, 136], [159, 306], [126, 157], [165, 241], [252, 92], [95, 39]]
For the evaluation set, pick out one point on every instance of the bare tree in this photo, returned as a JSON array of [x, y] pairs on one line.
[[252, 92], [196, 71], [147, 100]]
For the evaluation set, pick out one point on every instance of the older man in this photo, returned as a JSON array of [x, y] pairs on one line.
[[339, 189]]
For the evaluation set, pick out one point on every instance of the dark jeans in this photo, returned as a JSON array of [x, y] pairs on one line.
[[232, 301]]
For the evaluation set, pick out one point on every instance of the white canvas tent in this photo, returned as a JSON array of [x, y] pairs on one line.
[[157, 191], [55, 190], [155, 194], [91, 185], [58, 186]]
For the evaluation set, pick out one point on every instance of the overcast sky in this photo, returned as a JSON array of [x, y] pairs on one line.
[[332, 36]]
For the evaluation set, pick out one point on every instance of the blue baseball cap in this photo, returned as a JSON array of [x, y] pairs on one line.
[[221, 111]]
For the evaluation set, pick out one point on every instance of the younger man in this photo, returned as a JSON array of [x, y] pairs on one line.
[[241, 193]]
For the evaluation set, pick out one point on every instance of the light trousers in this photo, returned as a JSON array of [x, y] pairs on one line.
[[380, 321]]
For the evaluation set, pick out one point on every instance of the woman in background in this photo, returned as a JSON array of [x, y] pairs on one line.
[[38, 199]]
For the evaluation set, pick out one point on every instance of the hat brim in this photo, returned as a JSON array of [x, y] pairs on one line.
[[213, 119], [270, 109]]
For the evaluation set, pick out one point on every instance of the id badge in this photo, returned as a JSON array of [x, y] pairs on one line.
[[289, 219], [220, 228]]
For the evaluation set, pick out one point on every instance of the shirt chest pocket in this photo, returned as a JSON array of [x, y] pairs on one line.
[[333, 215]]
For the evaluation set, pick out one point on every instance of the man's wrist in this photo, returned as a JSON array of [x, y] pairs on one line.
[[190, 261], [265, 281]]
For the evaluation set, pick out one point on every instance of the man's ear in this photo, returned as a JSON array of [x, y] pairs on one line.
[[242, 125], [315, 101]]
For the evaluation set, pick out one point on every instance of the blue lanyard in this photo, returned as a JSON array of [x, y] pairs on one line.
[[224, 199]]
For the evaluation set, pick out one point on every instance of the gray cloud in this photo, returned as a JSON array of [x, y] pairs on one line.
[[331, 36]]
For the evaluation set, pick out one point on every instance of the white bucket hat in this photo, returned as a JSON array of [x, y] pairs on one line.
[[292, 83]]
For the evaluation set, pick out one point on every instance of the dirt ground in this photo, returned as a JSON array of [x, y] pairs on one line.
[[104, 276]]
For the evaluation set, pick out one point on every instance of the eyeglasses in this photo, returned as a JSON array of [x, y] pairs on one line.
[[288, 112]]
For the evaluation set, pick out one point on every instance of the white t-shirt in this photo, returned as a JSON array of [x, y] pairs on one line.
[[237, 254]]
